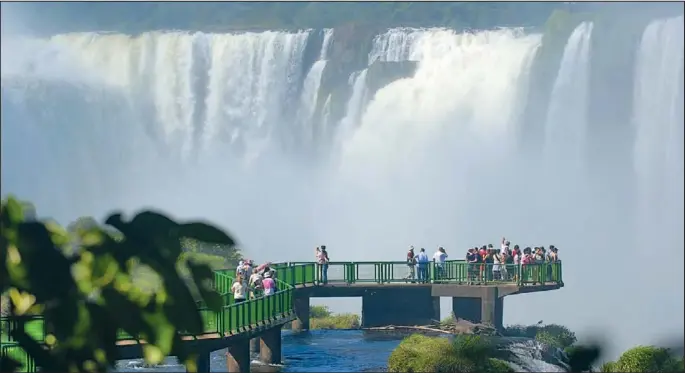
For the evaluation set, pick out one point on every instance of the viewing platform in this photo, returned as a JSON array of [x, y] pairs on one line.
[[389, 297]]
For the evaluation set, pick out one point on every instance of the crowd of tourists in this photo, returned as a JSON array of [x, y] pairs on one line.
[[253, 281], [418, 264], [485, 263], [256, 281]]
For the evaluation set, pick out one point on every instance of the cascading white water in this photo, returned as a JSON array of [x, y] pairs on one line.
[[397, 45], [565, 126], [416, 133], [326, 43], [119, 109], [357, 100], [392, 46], [658, 152], [310, 89], [658, 89], [200, 86]]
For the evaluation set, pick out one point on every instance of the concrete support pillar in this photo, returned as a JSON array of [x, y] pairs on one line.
[[492, 308], [254, 345], [238, 357], [301, 305], [203, 362], [486, 309], [270, 346], [406, 306]]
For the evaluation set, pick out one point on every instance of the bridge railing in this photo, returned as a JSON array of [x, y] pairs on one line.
[[237, 317], [33, 326], [452, 271]]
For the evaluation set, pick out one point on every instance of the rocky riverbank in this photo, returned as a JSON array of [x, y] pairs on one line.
[[451, 325]]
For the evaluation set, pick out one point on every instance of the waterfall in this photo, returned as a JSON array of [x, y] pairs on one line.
[[397, 44], [418, 132], [566, 123], [200, 88], [658, 152], [327, 38], [310, 91], [658, 95], [357, 101]]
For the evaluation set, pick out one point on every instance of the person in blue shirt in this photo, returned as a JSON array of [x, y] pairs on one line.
[[422, 261]]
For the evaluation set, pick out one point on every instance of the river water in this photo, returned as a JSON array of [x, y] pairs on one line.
[[360, 351], [316, 351]]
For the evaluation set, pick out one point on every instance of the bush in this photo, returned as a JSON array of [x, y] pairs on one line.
[[321, 317], [318, 312], [608, 367], [341, 321], [554, 335], [647, 359], [419, 353]]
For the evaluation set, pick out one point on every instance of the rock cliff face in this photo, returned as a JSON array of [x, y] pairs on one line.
[[349, 53]]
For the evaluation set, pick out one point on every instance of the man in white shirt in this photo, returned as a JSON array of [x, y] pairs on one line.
[[422, 261], [439, 258], [240, 269]]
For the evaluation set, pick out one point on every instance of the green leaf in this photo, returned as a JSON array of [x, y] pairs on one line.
[[152, 354], [153, 223], [105, 333], [180, 313], [116, 221], [164, 331], [203, 275], [13, 212], [126, 313], [59, 236], [205, 233]]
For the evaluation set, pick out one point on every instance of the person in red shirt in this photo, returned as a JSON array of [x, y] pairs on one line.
[[482, 253]]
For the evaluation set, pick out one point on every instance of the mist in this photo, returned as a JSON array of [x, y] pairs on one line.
[[460, 154]]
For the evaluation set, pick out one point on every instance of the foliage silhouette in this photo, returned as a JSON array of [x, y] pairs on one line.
[[90, 293]]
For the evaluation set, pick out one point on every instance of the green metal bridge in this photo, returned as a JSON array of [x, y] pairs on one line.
[[236, 319]]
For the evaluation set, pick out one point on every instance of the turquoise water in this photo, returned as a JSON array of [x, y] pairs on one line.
[[316, 351], [359, 351]]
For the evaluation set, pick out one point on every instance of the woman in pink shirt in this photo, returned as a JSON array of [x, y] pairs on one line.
[[268, 284]]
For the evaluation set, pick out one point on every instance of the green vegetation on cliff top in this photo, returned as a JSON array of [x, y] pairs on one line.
[[136, 17]]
